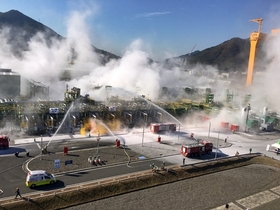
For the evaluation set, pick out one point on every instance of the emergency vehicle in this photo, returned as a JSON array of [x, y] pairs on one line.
[[38, 178], [162, 127], [4, 142], [195, 149]]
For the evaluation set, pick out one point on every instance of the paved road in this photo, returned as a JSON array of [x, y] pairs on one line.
[[14, 176]]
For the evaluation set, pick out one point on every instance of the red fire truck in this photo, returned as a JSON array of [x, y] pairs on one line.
[[4, 142], [200, 148], [162, 127]]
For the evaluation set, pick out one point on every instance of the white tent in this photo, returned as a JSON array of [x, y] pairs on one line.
[[276, 145]]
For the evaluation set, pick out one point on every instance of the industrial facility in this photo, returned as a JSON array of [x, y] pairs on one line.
[[25, 106]]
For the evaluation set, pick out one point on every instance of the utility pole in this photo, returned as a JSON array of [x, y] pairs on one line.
[[98, 139], [179, 133], [209, 129], [41, 148], [247, 109], [41, 143], [143, 136], [217, 148]]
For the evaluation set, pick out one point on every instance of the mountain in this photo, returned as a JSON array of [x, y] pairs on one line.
[[23, 28], [229, 56]]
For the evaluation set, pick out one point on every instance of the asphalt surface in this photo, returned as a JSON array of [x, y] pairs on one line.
[[167, 150], [141, 157]]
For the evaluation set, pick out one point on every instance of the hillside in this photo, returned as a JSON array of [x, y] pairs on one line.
[[229, 56], [23, 28]]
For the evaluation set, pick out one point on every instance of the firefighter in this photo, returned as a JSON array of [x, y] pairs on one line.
[[163, 165], [44, 150], [277, 151], [226, 139]]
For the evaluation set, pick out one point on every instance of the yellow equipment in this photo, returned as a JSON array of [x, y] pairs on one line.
[[254, 38]]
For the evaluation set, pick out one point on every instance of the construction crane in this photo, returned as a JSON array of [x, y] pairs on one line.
[[254, 39]]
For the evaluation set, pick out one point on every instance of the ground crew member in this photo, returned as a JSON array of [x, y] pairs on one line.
[[17, 193], [250, 150], [163, 165], [44, 150]]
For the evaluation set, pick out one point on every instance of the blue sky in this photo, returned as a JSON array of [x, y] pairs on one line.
[[167, 28]]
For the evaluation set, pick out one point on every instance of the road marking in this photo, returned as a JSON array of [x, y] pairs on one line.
[[39, 146], [276, 190], [95, 168], [255, 200], [232, 206], [258, 199]]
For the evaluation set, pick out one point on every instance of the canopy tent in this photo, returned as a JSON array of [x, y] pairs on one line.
[[277, 144]]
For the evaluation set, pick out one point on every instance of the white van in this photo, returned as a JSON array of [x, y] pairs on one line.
[[39, 177]]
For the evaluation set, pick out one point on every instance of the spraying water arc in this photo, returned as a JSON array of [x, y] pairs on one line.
[[154, 105], [65, 116]]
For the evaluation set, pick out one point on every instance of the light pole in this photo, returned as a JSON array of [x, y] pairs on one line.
[[179, 133], [247, 109], [160, 118], [209, 129], [143, 136], [41, 148], [217, 145], [145, 117], [98, 139]]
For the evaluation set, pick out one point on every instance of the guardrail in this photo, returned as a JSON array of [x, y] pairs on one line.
[[227, 158]]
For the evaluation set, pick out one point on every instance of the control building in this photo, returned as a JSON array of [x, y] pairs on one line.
[[9, 83]]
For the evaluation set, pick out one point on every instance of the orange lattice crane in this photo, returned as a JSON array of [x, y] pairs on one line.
[[254, 38]]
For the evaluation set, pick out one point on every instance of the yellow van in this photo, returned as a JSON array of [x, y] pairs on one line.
[[38, 178]]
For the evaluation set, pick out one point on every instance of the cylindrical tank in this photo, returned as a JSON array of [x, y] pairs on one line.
[[159, 139], [65, 150], [118, 143]]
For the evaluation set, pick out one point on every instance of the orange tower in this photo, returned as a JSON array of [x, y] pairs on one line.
[[254, 38]]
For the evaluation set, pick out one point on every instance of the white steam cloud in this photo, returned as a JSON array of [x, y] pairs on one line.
[[133, 73]]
